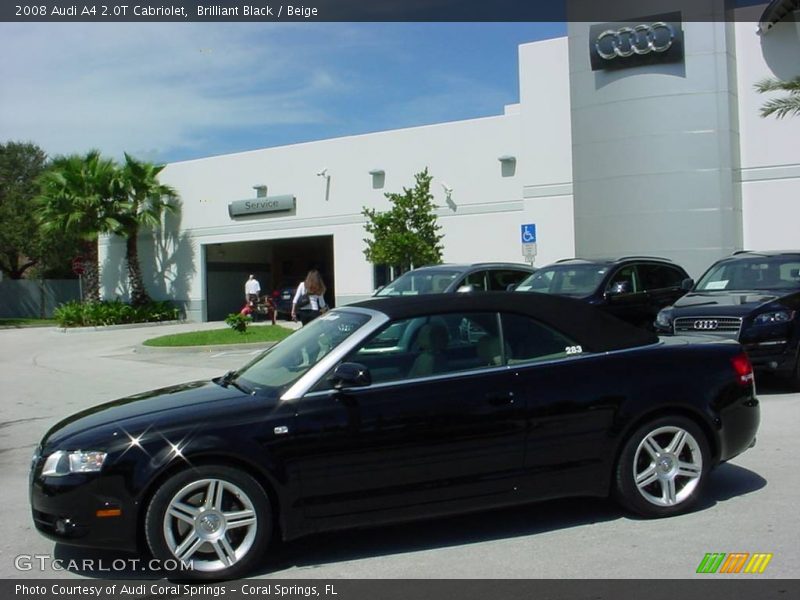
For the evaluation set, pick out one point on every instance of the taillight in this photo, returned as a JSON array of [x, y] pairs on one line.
[[744, 369]]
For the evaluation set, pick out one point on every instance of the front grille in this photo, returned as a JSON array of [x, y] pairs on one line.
[[723, 326]]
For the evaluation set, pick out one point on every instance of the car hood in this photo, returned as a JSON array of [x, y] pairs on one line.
[[728, 303], [195, 401]]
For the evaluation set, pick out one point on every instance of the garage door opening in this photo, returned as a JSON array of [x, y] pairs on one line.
[[277, 264]]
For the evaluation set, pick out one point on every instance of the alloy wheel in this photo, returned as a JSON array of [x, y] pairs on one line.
[[667, 466], [210, 523]]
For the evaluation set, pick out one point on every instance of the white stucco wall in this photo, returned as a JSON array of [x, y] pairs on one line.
[[546, 166], [482, 225], [770, 147]]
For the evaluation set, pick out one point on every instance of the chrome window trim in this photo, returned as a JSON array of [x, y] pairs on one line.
[[300, 387]]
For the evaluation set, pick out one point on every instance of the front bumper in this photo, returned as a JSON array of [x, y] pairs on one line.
[[65, 509], [778, 356]]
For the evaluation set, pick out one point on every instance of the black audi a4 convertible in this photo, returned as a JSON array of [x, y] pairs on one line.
[[396, 409]]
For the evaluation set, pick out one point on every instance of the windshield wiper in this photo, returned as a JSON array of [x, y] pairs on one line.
[[230, 379]]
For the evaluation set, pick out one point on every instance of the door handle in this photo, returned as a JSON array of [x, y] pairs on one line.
[[500, 398]]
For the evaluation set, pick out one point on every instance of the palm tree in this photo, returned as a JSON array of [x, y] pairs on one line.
[[77, 197], [784, 106], [145, 201]]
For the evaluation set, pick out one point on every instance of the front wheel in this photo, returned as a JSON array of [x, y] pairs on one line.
[[214, 519], [663, 467]]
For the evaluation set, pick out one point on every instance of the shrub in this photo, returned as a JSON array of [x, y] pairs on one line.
[[113, 312], [238, 321]]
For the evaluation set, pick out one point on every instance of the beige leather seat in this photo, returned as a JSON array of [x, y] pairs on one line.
[[432, 340], [489, 351]]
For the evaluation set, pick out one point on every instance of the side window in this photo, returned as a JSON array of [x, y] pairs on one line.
[[658, 277], [528, 340], [624, 281], [789, 274], [500, 280], [428, 346], [477, 281]]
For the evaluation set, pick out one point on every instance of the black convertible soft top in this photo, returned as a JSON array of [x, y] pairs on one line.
[[589, 326]]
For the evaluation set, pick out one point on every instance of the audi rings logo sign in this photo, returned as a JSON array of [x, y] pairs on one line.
[[648, 41], [706, 324], [627, 41]]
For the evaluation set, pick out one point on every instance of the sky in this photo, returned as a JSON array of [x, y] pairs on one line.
[[166, 92]]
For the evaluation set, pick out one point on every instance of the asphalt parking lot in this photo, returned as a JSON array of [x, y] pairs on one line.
[[46, 374]]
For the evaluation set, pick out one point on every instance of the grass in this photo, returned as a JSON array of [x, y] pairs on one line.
[[213, 337], [27, 322]]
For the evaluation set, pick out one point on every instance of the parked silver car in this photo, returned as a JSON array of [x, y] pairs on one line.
[[450, 278]]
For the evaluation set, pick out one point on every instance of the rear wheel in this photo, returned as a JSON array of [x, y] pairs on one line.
[[215, 518], [663, 467]]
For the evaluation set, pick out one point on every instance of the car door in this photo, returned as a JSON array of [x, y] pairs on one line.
[[662, 284], [405, 446], [624, 297], [571, 402]]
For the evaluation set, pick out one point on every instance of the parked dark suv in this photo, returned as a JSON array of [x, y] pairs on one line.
[[449, 278], [753, 297], [632, 288]]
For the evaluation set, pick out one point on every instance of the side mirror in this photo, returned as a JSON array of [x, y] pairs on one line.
[[378, 290], [619, 287], [687, 284], [351, 375], [465, 288], [510, 287]]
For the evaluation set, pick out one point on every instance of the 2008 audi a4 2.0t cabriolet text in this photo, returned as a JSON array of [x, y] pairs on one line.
[[396, 409]]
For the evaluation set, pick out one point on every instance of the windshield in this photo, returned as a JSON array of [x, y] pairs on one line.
[[287, 361], [761, 273], [567, 280], [429, 281]]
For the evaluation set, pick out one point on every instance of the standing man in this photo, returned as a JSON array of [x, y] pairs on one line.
[[251, 290]]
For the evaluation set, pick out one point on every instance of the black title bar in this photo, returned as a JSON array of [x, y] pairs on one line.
[[372, 10]]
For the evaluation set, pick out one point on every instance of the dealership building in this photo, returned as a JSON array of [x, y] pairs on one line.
[[637, 136]]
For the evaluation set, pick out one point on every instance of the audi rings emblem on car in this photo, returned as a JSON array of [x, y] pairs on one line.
[[641, 39], [708, 324]]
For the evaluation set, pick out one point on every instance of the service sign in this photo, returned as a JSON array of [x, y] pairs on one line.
[[646, 41], [254, 206]]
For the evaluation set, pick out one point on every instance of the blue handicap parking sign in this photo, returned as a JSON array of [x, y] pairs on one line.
[[528, 233]]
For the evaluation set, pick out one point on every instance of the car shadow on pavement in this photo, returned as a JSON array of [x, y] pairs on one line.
[[726, 482]]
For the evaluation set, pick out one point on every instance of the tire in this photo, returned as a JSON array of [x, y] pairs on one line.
[[216, 518], [663, 467]]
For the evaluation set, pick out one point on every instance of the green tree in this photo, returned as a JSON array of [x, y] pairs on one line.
[[144, 200], [788, 105], [405, 236], [79, 197], [22, 244]]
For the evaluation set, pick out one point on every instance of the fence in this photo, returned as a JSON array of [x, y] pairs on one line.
[[33, 298]]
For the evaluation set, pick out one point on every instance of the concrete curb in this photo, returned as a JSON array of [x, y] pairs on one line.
[[142, 349], [93, 328]]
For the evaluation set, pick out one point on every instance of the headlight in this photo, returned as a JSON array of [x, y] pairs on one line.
[[664, 318], [772, 318], [80, 461]]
